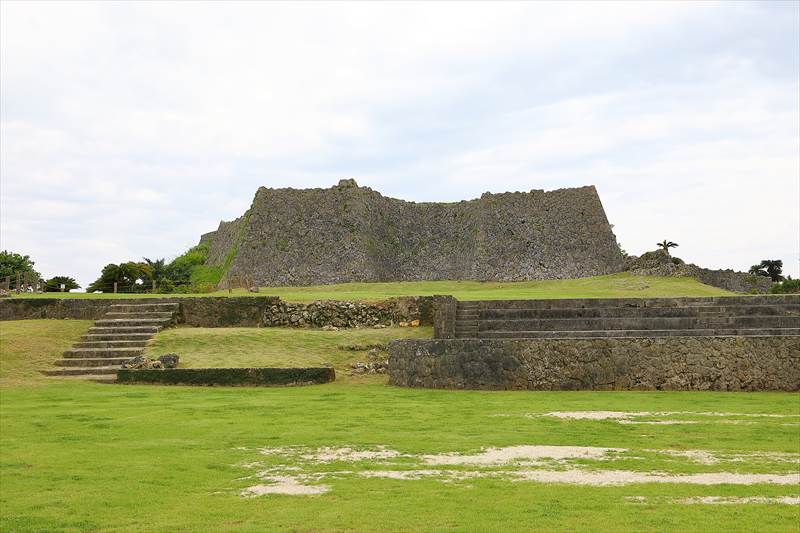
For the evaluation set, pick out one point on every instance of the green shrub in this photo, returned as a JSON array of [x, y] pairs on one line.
[[204, 287], [54, 284], [788, 286]]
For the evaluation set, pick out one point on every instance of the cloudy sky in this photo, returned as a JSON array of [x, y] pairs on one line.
[[127, 130]]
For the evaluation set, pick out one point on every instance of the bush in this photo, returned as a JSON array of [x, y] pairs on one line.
[[789, 286], [677, 261], [54, 284]]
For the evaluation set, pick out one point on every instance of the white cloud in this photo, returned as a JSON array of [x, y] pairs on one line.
[[129, 129]]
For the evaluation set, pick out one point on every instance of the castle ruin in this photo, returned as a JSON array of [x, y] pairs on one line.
[[349, 233]]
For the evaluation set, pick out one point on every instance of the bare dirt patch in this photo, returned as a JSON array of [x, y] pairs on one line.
[[625, 477], [330, 454], [524, 454], [288, 485], [728, 500], [299, 472]]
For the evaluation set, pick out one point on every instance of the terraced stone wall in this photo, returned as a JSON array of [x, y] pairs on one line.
[[668, 363]]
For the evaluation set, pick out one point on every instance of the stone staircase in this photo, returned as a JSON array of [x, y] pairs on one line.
[[764, 315], [120, 335]]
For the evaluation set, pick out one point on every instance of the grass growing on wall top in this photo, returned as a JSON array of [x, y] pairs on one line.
[[622, 285]]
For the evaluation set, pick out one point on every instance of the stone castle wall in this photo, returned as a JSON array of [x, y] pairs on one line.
[[245, 311], [659, 263], [349, 233], [220, 241], [664, 363]]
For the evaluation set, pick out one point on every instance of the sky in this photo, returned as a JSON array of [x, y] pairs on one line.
[[129, 129]]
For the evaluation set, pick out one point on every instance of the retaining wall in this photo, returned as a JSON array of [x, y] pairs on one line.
[[229, 376], [668, 363], [244, 311]]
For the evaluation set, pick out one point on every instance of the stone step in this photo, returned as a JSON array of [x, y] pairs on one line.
[[131, 322], [637, 333], [99, 361], [641, 312], [117, 337], [138, 315], [93, 353], [112, 344], [772, 299], [560, 324], [124, 330], [83, 371], [144, 308]]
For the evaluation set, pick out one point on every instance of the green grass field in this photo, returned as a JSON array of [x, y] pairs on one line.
[[80, 456], [622, 285], [283, 347]]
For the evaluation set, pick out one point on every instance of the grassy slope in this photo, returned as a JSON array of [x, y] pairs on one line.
[[242, 347], [27, 346], [621, 285], [83, 456]]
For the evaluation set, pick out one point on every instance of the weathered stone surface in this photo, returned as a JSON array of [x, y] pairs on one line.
[[141, 362], [444, 316], [670, 363], [330, 313], [350, 233], [228, 376], [246, 311], [659, 263], [169, 360]]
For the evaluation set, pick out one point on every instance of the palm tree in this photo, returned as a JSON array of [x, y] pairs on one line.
[[157, 267], [666, 245], [771, 268]]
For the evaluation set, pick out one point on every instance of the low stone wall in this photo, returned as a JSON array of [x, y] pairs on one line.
[[660, 263], [666, 363], [244, 311], [731, 280], [229, 376]]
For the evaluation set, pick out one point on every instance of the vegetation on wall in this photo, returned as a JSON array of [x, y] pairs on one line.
[[771, 268], [666, 245]]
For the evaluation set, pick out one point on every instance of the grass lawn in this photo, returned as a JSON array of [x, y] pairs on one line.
[[622, 285], [79, 456], [282, 347]]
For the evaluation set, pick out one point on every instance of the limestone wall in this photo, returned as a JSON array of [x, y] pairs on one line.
[[660, 263], [222, 241], [666, 363], [245, 311], [349, 233]]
